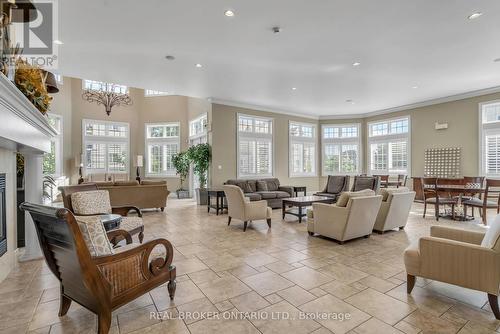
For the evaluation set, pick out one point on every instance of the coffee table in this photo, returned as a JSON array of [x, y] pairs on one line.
[[301, 202]]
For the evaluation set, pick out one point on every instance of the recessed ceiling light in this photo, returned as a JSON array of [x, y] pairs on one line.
[[356, 64], [169, 57], [415, 87], [349, 101], [199, 65], [229, 13], [294, 88], [497, 60], [58, 42], [474, 15]]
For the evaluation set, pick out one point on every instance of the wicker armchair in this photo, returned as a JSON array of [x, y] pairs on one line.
[[101, 284], [132, 225]]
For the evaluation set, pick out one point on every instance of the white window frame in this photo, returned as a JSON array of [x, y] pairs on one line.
[[106, 140], [105, 86], [484, 130], [302, 140], [160, 141], [387, 139], [198, 119], [153, 93], [254, 135], [341, 141], [58, 140]]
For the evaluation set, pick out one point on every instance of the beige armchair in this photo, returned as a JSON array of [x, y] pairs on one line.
[[352, 217], [394, 210], [470, 259], [242, 209]]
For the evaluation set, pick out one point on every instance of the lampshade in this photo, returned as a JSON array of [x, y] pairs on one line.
[[23, 11], [139, 161], [50, 82]]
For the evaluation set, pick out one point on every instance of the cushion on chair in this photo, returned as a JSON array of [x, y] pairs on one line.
[[272, 184], [262, 185], [479, 202], [157, 252], [267, 194], [252, 185], [385, 192], [335, 184], [130, 223], [91, 202], [94, 235], [346, 196], [492, 236], [253, 196], [282, 194]]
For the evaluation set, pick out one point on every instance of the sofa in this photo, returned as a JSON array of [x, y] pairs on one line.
[[144, 195], [335, 185], [395, 208], [263, 189], [353, 216]]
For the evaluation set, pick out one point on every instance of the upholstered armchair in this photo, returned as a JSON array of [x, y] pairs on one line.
[[335, 185], [366, 182], [351, 217], [470, 259], [90, 271], [87, 200], [394, 209], [241, 208]]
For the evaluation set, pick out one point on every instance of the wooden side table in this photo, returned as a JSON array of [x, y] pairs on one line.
[[219, 200], [298, 189]]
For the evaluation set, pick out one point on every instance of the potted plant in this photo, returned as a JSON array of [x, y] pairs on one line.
[[199, 155], [181, 165]]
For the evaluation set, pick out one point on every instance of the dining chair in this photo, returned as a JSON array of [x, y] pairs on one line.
[[384, 180], [402, 178], [433, 197], [489, 200]]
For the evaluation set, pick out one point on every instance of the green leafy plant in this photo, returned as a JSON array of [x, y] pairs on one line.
[[199, 155], [181, 164]]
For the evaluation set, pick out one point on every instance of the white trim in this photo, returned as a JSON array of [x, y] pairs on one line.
[[303, 140], [255, 135], [59, 139], [160, 141], [159, 93], [384, 139], [197, 119], [342, 141], [483, 128], [127, 88]]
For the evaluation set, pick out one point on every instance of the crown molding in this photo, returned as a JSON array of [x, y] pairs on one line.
[[262, 108], [426, 103]]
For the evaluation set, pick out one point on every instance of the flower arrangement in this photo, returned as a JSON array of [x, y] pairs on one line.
[[30, 82]]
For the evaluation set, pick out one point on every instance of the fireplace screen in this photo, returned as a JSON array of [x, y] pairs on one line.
[[3, 222]]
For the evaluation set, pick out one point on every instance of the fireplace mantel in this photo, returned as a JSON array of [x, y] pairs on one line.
[[22, 127]]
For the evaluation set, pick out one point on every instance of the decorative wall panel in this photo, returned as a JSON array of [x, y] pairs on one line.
[[443, 162]]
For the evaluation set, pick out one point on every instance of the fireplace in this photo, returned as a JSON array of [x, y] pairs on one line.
[[3, 220]]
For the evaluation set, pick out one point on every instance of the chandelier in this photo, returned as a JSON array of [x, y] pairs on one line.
[[109, 95]]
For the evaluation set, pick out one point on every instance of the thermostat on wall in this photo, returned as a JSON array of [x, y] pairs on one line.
[[441, 126]]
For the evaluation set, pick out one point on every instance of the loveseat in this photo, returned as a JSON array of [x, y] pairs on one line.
[[144, 195], [264, 189]]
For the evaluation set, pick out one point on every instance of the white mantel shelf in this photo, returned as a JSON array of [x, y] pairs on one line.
[[22, 127]]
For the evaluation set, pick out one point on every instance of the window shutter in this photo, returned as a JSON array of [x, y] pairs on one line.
[[493, 154]]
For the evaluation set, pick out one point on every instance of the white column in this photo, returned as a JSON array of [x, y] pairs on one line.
[[33, 193]]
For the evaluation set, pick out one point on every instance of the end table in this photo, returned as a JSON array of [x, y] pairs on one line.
[[298, 189]]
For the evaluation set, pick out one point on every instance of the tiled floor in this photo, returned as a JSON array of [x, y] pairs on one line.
[[281, 273]]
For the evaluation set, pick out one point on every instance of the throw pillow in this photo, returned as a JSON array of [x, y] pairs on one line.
[[91, 202], [262, 186], [252, 184], [94, 235], [492, 236], [272, 184], [346, 196]]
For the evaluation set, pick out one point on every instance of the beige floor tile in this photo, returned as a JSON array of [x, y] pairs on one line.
[[377, 304], [340, 289], [243, 271], [296, 295], [203, 276], [224, 306], [474, 314], [139, 302], [267, 283], [137, 319], [219, 326], [283, 317], [259, 259], [196, 310], [280, 267], [223, 288], [273, 298], [423, 299], [224, 262], [290, 256], [375, 326], [431, 324], [407, 328], [172, 326], [474, 328], [377, 283], [307, 278], [249, 302], [189, 266], [467, 296], [335, 309], [343, 273], [186, 292]]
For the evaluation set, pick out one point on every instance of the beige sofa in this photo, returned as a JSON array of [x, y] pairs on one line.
[[240, 207], [146, 195], [470, 259], [353, 216], [394, 210]]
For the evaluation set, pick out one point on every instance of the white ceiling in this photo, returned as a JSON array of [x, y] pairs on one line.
[[400, 44]]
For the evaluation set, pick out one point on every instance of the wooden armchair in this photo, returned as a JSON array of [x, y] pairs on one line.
[[101, 284], [132, 228]]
